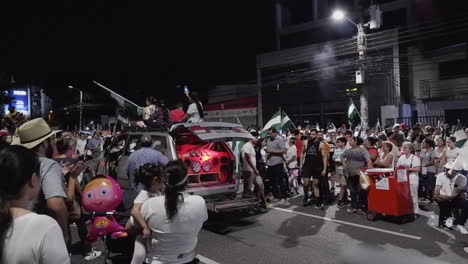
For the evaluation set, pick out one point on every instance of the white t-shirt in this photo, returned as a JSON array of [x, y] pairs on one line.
[[449, 186], [192, 111], [34, 238], [452, 154], [411, 162], [292, 151], [174, 241], [80, 146], [142, 196], [248, 149]]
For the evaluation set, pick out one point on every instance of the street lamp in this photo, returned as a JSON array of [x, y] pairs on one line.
[[81, 104], [340, 15]]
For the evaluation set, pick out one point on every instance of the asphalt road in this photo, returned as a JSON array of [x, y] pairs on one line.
[[294, 234]]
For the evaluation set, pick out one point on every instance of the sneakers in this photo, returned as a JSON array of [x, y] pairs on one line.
[[92, 254], [319, 206], [305, 202], [449, 222], [462, 230]]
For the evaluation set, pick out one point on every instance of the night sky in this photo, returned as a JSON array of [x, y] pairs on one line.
[[137, 49]]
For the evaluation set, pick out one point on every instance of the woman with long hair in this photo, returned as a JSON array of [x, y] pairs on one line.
[[25, 237], [195, 110], [155, 114], [174, 219]]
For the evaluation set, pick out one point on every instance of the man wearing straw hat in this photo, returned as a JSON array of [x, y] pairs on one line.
[[36, 135]]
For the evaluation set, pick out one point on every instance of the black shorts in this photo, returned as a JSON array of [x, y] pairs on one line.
[[314, 173]]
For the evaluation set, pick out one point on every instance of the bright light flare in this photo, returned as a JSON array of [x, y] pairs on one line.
[[338, 15]]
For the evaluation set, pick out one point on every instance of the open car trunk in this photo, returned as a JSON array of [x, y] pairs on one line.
[[204, 149]]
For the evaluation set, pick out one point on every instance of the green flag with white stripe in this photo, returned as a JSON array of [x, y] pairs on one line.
[[352, 111], [275, 122], [460, 135]]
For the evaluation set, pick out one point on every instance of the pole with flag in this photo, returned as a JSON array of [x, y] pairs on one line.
[[122, 101], [460, 135], [280, 121], [352, 112]]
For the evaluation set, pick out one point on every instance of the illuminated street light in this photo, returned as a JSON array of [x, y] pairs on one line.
[[338, 15]]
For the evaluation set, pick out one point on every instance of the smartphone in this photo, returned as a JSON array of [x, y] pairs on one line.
[[186, 89]]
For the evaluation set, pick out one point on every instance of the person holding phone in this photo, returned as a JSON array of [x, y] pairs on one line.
[[195, 110]]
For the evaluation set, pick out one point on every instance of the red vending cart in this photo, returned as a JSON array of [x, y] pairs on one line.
[[389, 194]]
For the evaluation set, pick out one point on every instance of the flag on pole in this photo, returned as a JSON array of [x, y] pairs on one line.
[[352, 111], [275, 122], [132, 108], [460, 135], [286, 121], [280, 120]]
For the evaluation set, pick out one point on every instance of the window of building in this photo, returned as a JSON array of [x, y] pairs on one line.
[[453, 69]]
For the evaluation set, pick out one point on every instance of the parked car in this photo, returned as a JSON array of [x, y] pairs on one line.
[[205, 148]]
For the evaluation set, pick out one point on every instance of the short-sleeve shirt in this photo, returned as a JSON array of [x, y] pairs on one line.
[[410, 162], [142, 197], [175, 240], [426, 156], [356, 158], [34, 238], [337, 155], [452, 154], [292, 151], [142, 156], [176, 115], [52, 185], [248, 149], [277, 143], [192, 111], [450, 186]]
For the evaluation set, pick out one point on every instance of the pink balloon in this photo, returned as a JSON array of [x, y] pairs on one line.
[[101, 194]]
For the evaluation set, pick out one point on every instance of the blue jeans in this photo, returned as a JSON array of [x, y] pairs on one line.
[[429, 181]]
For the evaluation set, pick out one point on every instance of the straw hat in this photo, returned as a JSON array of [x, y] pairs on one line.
[[33, 133]]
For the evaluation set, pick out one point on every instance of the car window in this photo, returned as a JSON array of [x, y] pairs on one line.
[[159, 143]]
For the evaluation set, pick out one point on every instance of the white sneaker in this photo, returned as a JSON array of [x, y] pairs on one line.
[[449, 222], [462, 230], [466, 249], [92, 254], [285, 202]]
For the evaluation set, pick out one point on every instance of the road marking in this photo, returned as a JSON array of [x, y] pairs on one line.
[[348, 223], [206, 260]]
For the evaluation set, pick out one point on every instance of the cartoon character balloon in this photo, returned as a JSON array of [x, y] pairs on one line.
[[102, 194]]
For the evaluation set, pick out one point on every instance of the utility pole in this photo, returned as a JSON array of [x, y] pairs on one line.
[[361, 38]]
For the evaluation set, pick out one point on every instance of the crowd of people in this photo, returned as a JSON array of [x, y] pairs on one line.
[[156, 115], [43, 175], [321, 161], [46, 194]]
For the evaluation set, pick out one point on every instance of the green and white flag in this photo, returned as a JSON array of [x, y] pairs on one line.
[[286, 122], [275, 122], [352, 111], [130, 107], [280, 120], [460, 135]]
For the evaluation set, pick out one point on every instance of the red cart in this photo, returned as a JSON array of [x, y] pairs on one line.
[[389, 194]]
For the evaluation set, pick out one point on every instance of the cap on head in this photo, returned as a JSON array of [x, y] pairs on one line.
[[396, 125], [146, 140]]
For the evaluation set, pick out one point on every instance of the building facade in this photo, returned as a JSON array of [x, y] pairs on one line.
[[415, 62]]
